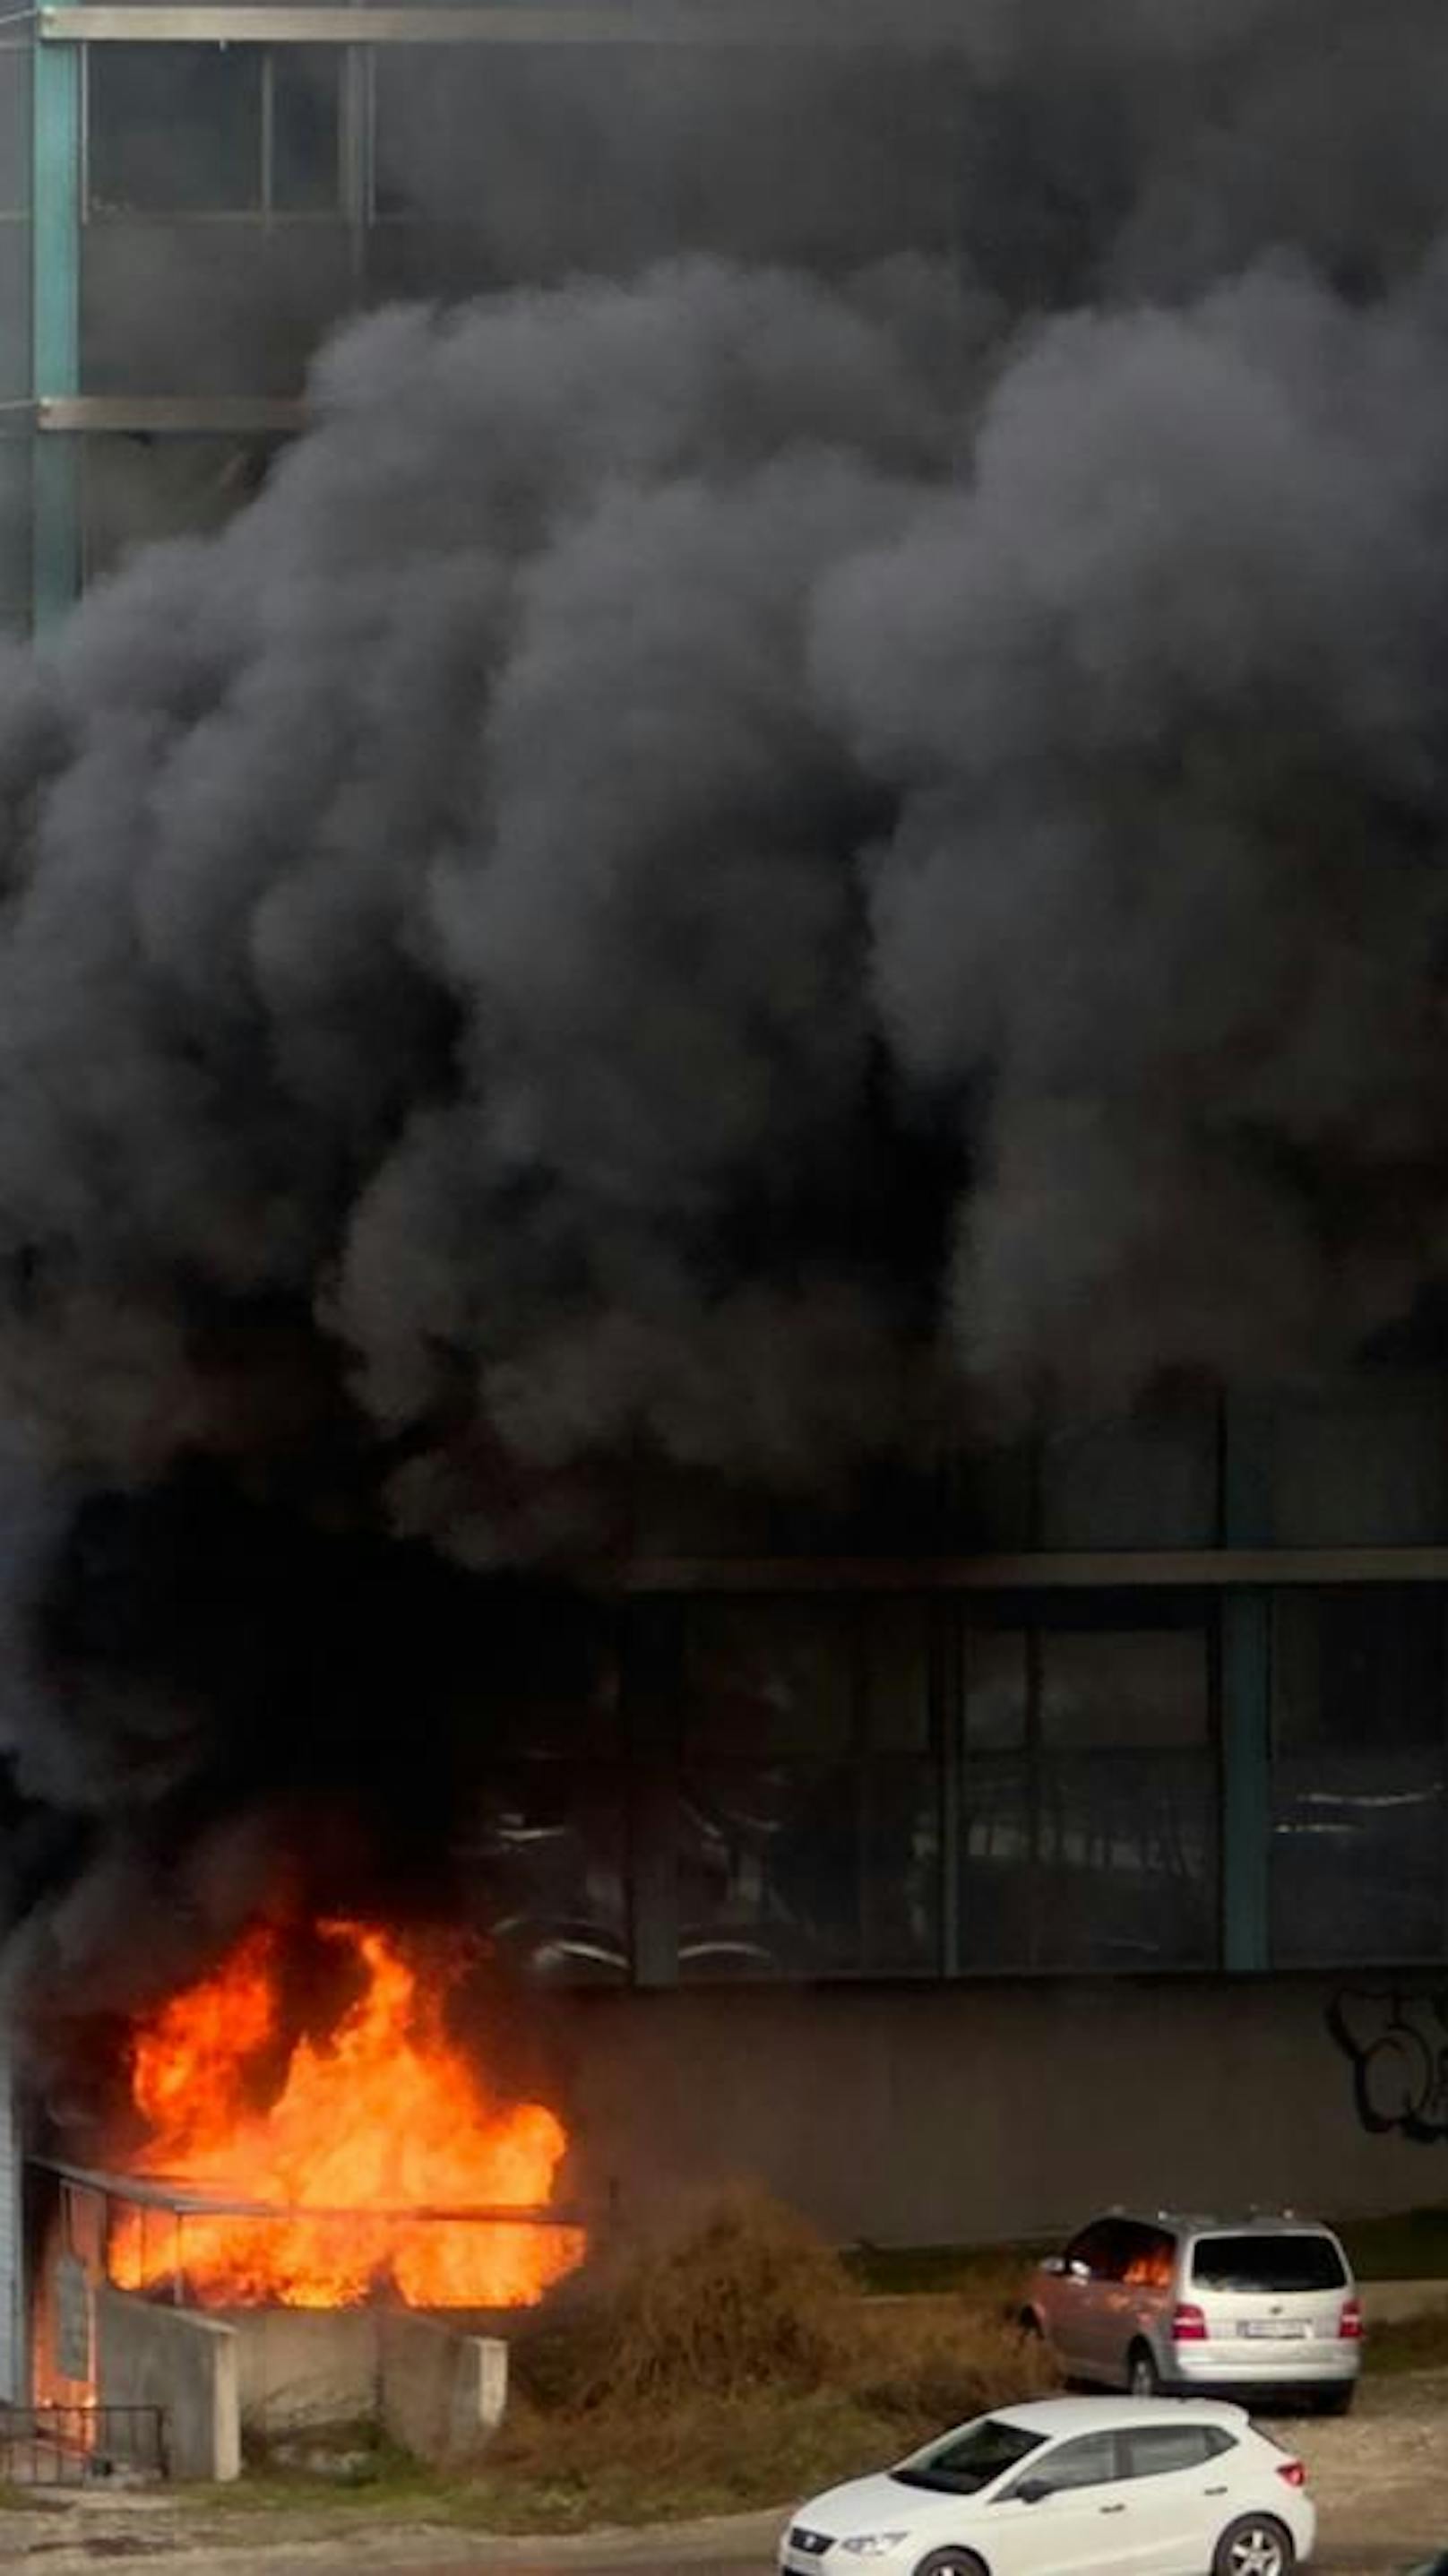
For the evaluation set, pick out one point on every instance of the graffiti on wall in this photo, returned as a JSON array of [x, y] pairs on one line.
[[1397, 2040]]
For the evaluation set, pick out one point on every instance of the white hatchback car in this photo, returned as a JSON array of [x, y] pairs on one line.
[[1125, 2486]]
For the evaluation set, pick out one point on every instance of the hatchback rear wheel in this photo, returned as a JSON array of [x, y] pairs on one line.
[[1254, 2546]]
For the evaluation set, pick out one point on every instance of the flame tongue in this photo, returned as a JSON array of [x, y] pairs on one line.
[[384, 2120]]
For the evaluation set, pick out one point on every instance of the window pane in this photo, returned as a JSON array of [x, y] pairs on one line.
[[1270, 2263], [1358, 1850], [768, 1678], [995, 1838], [15, 531], [546, 1857], [14, 311], [1126, 1823], [211, 308], [900, 1845], [1153, 2451], [769, 1870], [15, 130], [174, 128], [995, 1689], [895, 1651], [1139, 1691], [306, 136], [1089, 2462]]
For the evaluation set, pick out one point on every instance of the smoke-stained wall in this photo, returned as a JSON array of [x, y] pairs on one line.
[[1011, 2110]]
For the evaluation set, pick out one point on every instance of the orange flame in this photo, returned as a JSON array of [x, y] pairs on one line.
[[382, 2121]]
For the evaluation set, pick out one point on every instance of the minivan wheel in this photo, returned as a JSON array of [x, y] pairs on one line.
[[1254, 2546], [1335, 2401], [1142, 2376]]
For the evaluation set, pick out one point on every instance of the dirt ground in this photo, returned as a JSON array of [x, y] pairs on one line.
[[1380, 2479]]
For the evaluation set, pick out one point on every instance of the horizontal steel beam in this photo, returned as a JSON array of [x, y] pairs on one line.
[[929, 24], [170, 415], [1080, 1570], [182, 2199]]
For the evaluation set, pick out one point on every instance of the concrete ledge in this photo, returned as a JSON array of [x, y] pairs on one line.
[[187, 2364], [442, 2393], [303, 2366]]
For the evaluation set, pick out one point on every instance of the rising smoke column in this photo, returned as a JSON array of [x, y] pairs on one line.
[[734, 869]]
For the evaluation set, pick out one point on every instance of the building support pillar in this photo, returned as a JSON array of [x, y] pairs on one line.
[[55, 324], [1246, 1696]]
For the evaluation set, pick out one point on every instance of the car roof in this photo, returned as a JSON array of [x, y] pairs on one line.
[[1052, 2416], [1271, 2222]]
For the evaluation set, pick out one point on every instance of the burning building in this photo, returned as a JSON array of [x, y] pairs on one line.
[[722, 1021]]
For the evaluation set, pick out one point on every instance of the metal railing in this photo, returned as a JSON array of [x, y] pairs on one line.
[[70, 2446]]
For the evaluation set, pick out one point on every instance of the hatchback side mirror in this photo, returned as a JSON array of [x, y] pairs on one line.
[[1031, 2490]]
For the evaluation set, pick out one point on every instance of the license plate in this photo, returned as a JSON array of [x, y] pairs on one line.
[[1278, 2329]]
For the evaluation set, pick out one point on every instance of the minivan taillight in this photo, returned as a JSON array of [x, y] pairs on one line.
[[1188, 2325], [1350, 2323], [1294, 2473]]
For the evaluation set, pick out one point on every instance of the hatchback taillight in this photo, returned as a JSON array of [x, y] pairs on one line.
[[1293, 2472], [1350, 2323], [1188, 2325]]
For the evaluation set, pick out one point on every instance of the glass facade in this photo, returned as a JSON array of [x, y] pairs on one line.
[[973, 1782]]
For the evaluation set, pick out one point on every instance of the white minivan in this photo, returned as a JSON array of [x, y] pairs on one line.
[[1246, 2307]]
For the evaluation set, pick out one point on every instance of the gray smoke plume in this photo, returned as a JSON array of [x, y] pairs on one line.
[[735, 868]]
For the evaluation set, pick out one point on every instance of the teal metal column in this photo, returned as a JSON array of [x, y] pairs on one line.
[[55, 321], [1246, 1675]]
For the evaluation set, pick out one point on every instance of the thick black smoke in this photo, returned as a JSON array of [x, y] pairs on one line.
[[734, 871]]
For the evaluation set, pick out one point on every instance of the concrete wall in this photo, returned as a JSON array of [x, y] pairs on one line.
[[158, 2356], [442, 2393], [300, 2366], [926, 2114], [437, 2390]]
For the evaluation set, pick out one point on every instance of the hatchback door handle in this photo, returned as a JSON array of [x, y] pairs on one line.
[[1111, 2508], [1214, 2490]]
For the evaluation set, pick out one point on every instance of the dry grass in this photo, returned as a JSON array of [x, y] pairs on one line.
[[726, 2365], [733, 2364], [740, 2295]]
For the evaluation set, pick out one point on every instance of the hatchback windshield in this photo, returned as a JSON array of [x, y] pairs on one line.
[[963, 2463], [1261, 2262]]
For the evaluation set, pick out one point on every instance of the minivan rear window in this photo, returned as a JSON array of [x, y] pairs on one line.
[[1263, 2262]]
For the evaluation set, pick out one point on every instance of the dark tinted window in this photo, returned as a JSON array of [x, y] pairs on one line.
[[1267, 2263], [1088, 2462], [963, 2463], [1152, 2451], [1106, 2248]]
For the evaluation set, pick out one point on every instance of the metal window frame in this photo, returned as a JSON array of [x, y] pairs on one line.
[[834, 25]]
